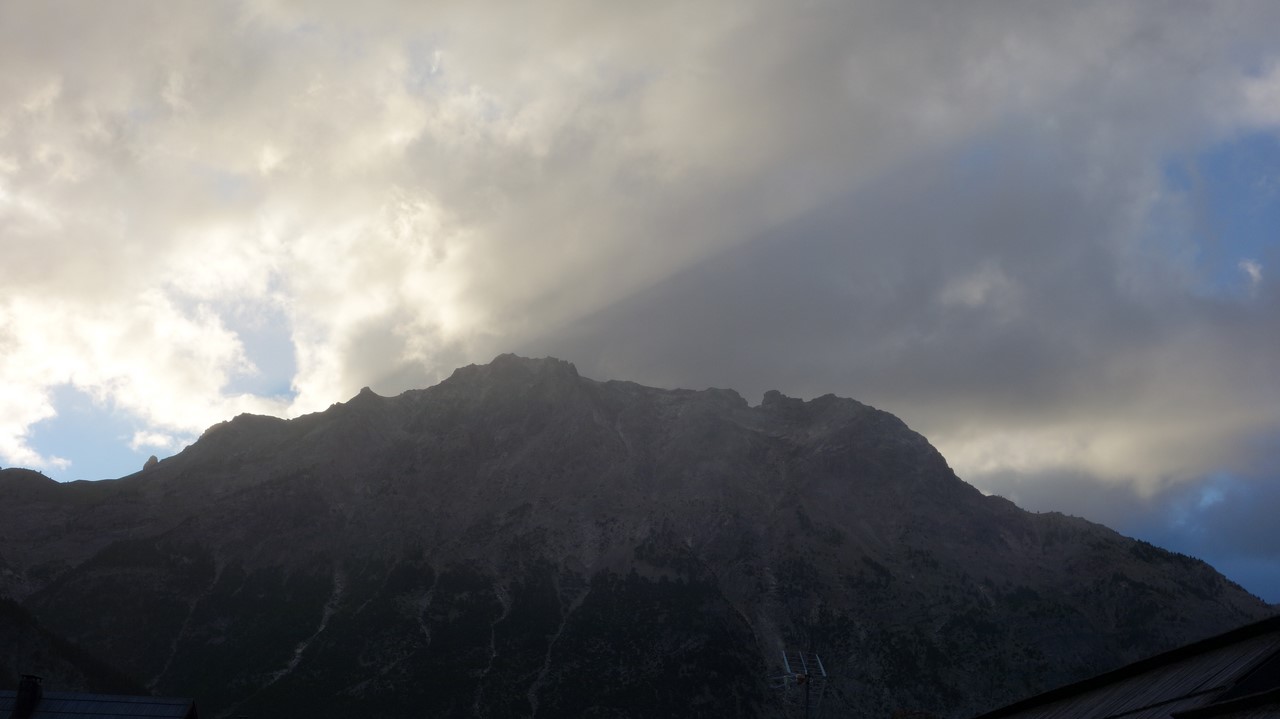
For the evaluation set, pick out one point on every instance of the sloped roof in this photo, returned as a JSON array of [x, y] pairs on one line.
[[1236, 674], [73, 705]]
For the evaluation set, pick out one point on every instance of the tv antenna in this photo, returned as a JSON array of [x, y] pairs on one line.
[[802, 683]]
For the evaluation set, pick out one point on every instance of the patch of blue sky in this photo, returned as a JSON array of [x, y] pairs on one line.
[[1187, 505], [96, 437], [1232, 193], [1214, 519], [266, 335], [93, 436], [1259, 575]]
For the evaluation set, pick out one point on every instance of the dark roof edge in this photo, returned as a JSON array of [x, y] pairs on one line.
[[106, 696], [1270, 624], [1251, 701]]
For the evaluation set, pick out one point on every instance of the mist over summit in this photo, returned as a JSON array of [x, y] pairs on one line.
[[520, 540]]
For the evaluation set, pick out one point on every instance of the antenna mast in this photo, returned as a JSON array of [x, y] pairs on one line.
[[802, 683]]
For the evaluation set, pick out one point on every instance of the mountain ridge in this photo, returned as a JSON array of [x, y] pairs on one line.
[[517, 525]]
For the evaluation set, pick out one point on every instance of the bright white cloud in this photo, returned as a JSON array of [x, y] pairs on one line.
[[157, 440], [155, 361], [21, 406]]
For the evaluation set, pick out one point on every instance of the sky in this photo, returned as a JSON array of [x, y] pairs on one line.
[[1043, 234]]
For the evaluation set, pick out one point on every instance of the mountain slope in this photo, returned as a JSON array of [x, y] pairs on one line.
[[519, 540]]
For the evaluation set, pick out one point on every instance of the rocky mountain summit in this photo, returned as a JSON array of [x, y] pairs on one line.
[[522, 541]]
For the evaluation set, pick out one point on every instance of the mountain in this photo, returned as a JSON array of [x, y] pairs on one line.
[[27, 647], [522, 541]]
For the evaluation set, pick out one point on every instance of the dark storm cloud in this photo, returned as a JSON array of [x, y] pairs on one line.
[[947, 291]]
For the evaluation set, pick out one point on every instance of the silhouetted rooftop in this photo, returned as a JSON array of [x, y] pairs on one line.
[[74, 705], [1235, 674]]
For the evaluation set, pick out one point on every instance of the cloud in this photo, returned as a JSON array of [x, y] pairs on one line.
[[987, 288], [152, 439], [1261, 95], [1253, 271], [21, 407], [156, 361], [1011, 295]]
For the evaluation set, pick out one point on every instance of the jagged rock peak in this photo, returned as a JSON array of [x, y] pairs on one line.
[[773, 399], [510, 367], [828, 407], [241, 426], [366, 395], [726, 397]]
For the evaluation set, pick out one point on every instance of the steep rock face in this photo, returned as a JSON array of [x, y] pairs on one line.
[[519, 540]]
